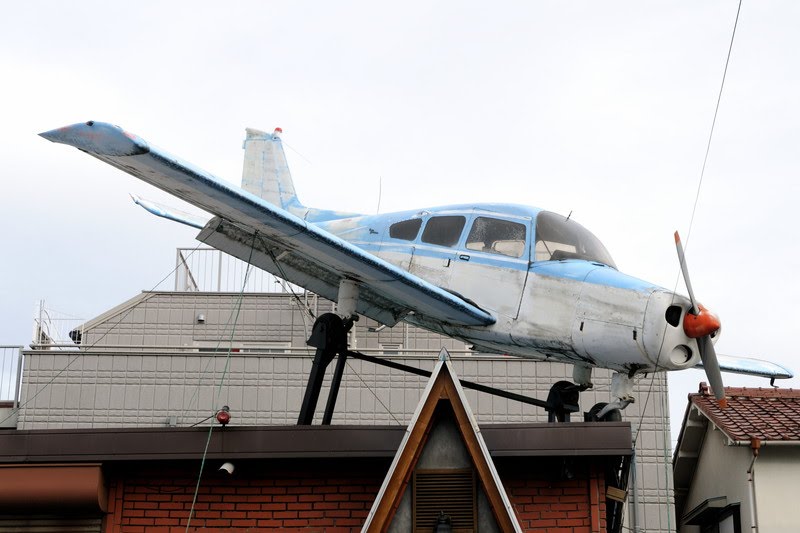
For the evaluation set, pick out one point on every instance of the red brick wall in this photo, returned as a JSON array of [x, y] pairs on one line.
[[289, 501], [330, 497], [568, 506]]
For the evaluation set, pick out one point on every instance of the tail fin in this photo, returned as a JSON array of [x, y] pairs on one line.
[[266, 174]]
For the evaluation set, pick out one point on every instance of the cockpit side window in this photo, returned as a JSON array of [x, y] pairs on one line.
[[444, 230], [406, 230], [497, 236], [559, 238]]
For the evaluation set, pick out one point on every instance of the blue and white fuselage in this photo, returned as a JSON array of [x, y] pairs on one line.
[[557, 297]]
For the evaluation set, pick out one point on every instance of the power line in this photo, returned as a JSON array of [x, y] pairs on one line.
[[714, 121], [235, 313]]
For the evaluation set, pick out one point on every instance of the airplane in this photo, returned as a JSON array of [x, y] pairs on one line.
[[504, 278]]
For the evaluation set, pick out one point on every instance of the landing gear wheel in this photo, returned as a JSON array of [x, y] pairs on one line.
[[615, 415]]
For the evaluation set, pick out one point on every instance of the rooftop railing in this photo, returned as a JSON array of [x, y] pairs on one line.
[[10, 374], [210, 270]]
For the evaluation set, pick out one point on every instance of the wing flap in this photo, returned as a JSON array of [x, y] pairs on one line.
[[281, 243]]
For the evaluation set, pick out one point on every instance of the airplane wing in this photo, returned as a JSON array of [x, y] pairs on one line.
[[751, 367], [250, 228]]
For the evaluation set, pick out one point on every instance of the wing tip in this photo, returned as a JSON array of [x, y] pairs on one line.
[[99, 138]]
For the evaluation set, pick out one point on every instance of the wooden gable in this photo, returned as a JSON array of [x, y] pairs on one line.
[[443, 394]]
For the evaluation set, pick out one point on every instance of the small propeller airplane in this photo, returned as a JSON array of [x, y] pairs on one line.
[[504, 278]]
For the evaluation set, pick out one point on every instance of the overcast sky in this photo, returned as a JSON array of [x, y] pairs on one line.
[[598, 108]]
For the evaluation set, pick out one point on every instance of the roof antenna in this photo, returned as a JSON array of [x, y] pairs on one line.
[[380, 190], [570, 214]]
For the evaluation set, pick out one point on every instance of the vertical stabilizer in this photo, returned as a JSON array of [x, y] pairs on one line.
[[266, 173]]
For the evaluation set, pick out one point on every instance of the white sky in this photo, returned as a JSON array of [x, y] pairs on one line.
[[599, 108]]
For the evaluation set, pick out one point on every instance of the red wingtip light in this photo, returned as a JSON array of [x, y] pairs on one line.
[[703, 323]]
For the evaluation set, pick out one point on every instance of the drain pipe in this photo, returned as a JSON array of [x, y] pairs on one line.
[[634, 490], [755, 445]]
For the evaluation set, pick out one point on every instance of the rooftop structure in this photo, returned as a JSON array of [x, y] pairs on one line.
[[740, 464]]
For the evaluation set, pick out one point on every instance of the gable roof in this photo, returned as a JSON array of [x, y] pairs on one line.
[[768, 414], [443, 387]]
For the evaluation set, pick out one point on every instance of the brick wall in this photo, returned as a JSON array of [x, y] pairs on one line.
[[310, 499], [564, 506], [323, 496]]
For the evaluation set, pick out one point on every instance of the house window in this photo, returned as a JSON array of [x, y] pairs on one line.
[[444, 230], [406, 230], [715, 515], [449, 491], [728, 521]]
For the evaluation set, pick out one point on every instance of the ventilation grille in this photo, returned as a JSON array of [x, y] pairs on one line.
[[52, 524], [449, 491]]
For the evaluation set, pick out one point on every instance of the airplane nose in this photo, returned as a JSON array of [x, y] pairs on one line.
[[666, 343], [703, 323]]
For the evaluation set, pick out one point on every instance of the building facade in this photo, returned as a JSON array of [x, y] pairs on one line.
[[172, 359]]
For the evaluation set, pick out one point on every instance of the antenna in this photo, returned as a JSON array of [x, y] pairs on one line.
[[380, 190]]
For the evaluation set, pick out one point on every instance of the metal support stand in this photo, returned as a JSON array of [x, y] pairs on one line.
[[334, 392], [562, 400], [329, 337]]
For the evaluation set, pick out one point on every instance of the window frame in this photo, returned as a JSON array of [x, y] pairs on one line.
[[460, 237]]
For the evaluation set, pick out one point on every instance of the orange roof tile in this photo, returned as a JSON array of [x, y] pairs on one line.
[[763, 413]]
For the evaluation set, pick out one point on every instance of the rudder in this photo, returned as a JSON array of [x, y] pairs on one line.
[[265, 172]]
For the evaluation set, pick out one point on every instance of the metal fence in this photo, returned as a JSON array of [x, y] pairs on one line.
[[53, 330], [210, 270], [10, 373]]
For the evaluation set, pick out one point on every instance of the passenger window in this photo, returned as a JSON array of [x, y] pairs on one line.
[[406, 230], [444, 231], [497, 236]]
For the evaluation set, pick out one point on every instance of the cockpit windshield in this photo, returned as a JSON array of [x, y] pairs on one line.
[[558, 237]]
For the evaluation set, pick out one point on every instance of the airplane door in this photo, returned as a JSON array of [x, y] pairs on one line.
[[491, 266]]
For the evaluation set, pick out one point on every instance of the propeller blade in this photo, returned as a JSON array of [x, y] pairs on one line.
[[707, 352], [711, 366], [685, 270]]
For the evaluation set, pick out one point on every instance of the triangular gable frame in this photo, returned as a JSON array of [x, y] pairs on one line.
[[443, 385]]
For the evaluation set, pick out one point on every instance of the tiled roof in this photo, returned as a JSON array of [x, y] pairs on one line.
[[763, 413]]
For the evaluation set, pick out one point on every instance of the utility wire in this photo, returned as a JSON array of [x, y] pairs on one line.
[[235, 312], [373, 393], [714, 121], [697, 196]]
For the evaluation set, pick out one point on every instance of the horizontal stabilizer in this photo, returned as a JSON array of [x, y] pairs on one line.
[[751, 367]]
